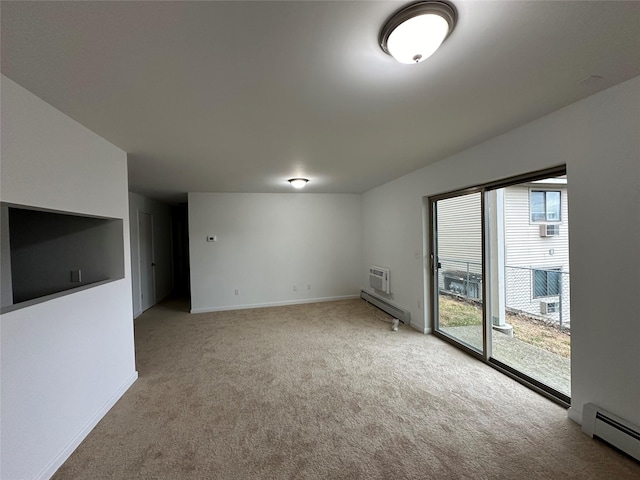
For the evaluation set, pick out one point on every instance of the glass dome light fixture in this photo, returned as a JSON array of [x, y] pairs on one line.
[[415, 32], [298, 182]]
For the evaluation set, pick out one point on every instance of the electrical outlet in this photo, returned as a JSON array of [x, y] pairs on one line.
[[237, 292], [295, 288], [212, 238]]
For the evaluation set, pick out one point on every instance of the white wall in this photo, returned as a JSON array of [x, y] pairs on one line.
[[65, 361], [162, 254], [267, 243], [598, 140]]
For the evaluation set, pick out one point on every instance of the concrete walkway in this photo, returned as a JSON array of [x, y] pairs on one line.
[[544, 366]]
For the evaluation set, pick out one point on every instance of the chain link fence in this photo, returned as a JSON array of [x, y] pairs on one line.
[[461, 278], [540, 293]]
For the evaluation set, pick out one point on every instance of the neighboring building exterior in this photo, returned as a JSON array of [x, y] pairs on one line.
[[529, 231], [536, 230]]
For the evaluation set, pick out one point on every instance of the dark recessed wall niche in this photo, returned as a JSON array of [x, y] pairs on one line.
[[50, 252]]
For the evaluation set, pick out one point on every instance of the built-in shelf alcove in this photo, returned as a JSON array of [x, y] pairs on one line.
[[46, 254]]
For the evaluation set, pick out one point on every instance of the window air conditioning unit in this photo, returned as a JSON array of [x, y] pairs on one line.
[[548, 307], [379, 279], [549, 230]]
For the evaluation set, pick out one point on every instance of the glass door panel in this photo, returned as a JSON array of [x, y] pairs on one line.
[[528, 275], [458, 269]]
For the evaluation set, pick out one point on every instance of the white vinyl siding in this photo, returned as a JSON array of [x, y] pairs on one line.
[[524, 245], [527, 250], [460, 229], [460, 244]]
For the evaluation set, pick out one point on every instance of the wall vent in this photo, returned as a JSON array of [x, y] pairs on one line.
[[396, 312], [598, 423], [379, 278]]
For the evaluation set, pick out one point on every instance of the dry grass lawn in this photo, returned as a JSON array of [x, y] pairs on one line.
[[541, 334], [459, 313]]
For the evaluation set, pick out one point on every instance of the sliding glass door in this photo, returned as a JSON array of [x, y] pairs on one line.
[[528, 230], [458, 268], [500, 276]]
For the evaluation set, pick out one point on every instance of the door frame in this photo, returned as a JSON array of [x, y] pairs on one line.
[[433, 271], [432, 285], [140, 269]]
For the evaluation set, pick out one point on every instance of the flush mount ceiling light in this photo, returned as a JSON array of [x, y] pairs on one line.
[[298, 182], [415, 32]]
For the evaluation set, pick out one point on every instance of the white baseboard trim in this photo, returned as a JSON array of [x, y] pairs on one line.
[[273, 304], [417, 328], [48, 471], [575, 415]]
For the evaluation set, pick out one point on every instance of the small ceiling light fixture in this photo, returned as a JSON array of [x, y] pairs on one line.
[[415, 32], [298, 182]]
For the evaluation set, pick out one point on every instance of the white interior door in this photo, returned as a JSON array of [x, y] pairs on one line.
[[145, 245]]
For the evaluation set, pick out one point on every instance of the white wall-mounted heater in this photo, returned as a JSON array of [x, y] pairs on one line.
[[616, 431], [379, 278], [396, 312]]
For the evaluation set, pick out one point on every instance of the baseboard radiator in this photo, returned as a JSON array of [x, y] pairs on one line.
[[395, 312], [598, 423]]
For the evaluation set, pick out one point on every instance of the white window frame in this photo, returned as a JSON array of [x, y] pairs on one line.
[[545, 220], [557, 269]]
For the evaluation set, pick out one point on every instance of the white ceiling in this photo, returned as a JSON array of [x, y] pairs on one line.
[[239, 96]]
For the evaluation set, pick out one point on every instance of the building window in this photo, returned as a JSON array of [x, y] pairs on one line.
[[545, 205], [546, 283]]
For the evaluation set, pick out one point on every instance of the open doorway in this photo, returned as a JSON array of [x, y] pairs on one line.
[[146, 261]]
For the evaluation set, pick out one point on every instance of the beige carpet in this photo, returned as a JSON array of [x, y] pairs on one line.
[[325, 391]]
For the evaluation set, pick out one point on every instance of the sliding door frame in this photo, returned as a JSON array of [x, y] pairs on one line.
[[485, 356], [433, 270]]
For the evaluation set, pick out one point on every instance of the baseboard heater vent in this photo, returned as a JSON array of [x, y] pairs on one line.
[[598, 423], [395, 312]]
